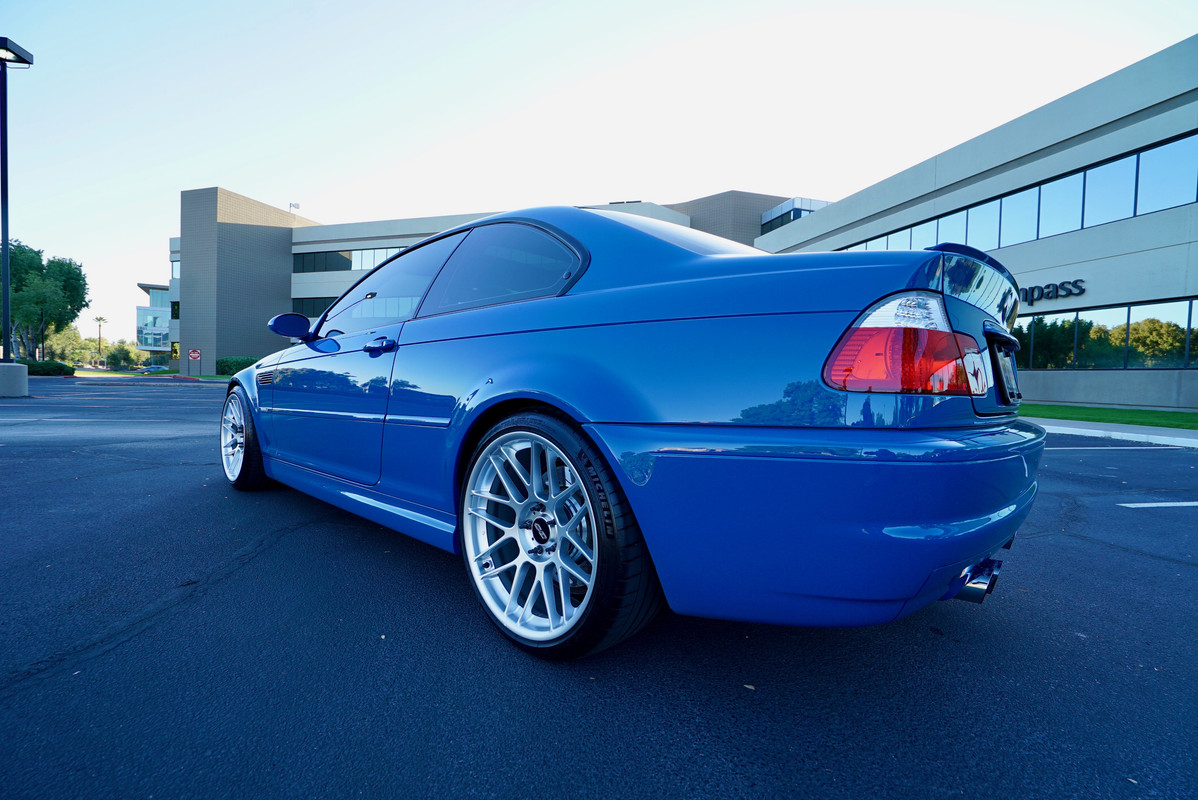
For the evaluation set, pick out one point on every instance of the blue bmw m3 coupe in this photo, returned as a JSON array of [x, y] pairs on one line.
[[603, 414]]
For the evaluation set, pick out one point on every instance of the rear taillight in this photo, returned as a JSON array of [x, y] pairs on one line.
[[905, 345]]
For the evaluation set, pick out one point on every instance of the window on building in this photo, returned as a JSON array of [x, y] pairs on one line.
[[900, 240], [176, 266], [1110, 192], [1168, 176], [924, 235], [1154, 179], [1020, 214], [1143, 336], [174, 309], [1061, 205], [1157, 335], [1052, 340], [501, 264], [982, 230], [1100, 338], [952, 228]]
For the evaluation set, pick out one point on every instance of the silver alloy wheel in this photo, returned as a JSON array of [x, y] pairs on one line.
[[232, 436], [529, 536]]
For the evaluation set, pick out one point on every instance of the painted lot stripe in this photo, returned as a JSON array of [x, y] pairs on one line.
[[1186, 504], [1118, 447]]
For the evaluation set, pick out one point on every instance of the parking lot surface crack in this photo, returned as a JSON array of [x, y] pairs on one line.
[[144, 618]]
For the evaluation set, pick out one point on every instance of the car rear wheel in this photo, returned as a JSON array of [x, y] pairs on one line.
[[239, 452], [550, 543]]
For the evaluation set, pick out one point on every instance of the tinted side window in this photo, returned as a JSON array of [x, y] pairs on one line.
[[391, 293], [501, 263]]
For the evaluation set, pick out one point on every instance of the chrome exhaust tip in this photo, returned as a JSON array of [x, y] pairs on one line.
[[979, 581]]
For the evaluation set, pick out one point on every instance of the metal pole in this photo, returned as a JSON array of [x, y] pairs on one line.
[[6, 319]]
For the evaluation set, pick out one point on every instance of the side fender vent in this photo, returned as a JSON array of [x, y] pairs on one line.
[[266, 378]]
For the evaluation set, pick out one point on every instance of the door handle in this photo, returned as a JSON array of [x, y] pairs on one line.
[[379, 345]]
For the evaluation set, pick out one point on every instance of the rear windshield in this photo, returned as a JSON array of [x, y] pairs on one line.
[[704, 244]]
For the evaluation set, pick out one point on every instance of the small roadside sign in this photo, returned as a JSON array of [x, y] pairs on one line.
[[194, 355]]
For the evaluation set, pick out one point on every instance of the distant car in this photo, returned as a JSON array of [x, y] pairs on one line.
[[153, 368], [602, 412]]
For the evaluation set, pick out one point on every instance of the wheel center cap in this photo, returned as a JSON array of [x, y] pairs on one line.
[[540, 531]]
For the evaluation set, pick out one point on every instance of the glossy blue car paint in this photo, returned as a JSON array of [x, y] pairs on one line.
[[826, 527], [763, 494]]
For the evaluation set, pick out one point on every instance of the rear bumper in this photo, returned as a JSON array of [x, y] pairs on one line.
[[820, 527]]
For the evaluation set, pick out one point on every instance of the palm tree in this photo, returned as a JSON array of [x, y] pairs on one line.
[[100, 335]]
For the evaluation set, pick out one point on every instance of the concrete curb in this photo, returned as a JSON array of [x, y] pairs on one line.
[[1175, 437]]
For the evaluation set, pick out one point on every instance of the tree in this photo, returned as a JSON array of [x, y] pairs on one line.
[[67, 346], [123, 355], [100, 334], [46, 296]]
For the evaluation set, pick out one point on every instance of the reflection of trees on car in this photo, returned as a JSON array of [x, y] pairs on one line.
[[805, 403], [317, 379]]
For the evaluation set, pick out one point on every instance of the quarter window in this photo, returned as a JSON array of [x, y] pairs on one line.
[[501, 263]]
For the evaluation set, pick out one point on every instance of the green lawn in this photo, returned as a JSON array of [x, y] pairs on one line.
[[1123, 416]]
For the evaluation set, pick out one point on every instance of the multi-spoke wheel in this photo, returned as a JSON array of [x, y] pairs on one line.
[[239, 453], [550, 544]]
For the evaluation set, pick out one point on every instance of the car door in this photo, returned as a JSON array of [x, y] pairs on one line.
[[444, 349], [329, 396]]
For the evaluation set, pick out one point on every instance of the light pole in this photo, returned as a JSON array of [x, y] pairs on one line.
[[14, 378], [100, 335]]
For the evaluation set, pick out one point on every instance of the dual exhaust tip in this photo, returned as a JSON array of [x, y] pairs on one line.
[[979, 581]]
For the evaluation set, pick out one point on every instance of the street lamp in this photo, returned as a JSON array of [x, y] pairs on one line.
[[11, 55]]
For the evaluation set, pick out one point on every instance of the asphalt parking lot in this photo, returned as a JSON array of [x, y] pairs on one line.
[[162, 635]]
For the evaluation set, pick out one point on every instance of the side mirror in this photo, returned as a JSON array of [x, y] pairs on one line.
[[291, 325]]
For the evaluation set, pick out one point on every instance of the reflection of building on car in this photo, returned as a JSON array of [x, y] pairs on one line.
[[604, 413]]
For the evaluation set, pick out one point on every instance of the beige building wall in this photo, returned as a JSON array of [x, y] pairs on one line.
[[235, 270], [733, 215]]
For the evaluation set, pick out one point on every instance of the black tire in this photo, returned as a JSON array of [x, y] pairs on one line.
[[568, 552], [241, 458]]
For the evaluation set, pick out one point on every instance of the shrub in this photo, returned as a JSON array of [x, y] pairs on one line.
[[233, 364], [47, 367]]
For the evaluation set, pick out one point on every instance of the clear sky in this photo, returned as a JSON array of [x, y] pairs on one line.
[[379, 109]]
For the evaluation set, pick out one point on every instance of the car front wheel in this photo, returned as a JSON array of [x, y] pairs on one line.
[[550, 544], [239, 453]]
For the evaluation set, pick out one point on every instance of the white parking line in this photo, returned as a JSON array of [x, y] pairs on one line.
[[1160, 505], [1118, 447]]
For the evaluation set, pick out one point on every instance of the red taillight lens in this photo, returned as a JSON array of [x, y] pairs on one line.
[[903, 345]]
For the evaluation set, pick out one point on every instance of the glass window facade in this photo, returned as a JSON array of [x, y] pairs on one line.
[[1020, 216], [782, 219], [1061, 205], [1143, 336], [1153, 179], [951, 228], [1110, 192], [153, 327], [340, 260], [1167, 176], [981, 230]]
